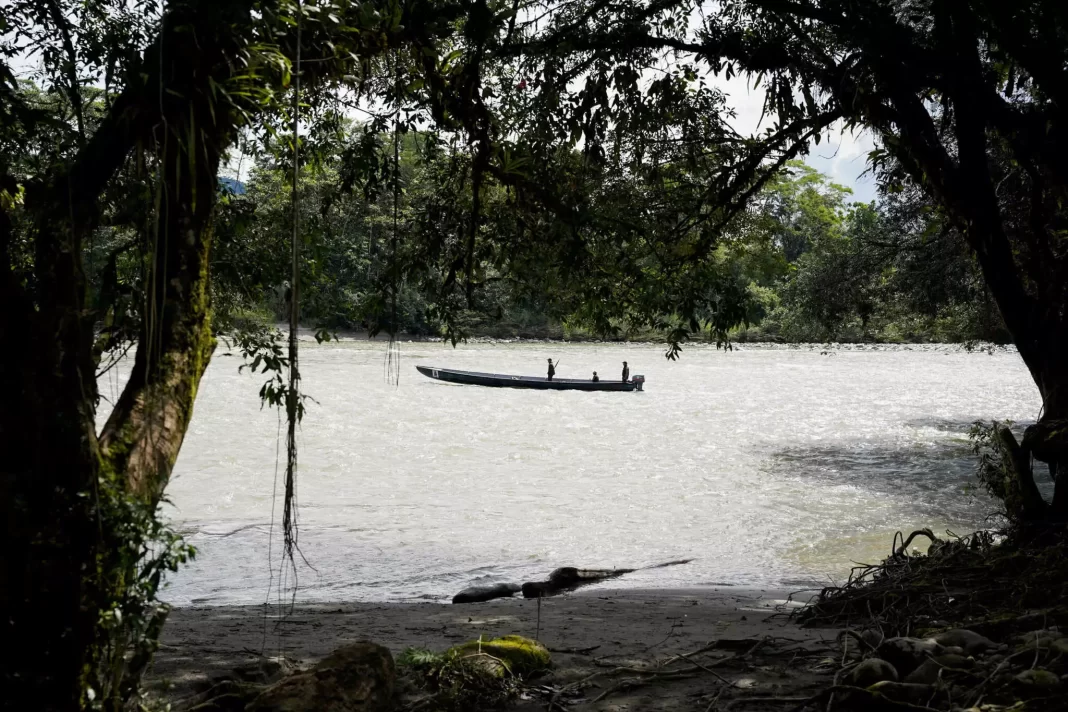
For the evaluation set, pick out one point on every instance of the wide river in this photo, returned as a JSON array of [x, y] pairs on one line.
[[767, 466]]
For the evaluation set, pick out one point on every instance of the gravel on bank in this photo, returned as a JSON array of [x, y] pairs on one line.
[[587, 630]]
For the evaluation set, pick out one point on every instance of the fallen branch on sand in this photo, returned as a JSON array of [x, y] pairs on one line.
[[569, 578], [659, 671], [951, 630], [561, 580], [575, 651]]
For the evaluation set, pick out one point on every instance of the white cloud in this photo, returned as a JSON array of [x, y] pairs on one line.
[[841, 155]]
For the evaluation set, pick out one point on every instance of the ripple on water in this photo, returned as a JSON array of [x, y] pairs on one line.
[[768, 465]]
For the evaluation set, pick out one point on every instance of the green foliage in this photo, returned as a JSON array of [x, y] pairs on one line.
[[801, 264], [461, 683], [888, 271], [262, 348], [994, 469], [569, 162], [141, 549]]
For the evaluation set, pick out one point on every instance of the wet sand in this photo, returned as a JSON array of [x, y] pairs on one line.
[[758, 651]]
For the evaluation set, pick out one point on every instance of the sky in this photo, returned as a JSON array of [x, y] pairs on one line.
[[843, 157]]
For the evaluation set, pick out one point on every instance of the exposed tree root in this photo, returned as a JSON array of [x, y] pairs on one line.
[[660, 671], [982, 584], [960, 578]]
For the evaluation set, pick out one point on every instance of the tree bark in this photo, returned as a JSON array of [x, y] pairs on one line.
[[1028, 293], [59, 571], [145, 431], [49, 468]]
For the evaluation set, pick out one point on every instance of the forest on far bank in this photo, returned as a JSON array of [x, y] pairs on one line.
[[541, 164], [810, 263]]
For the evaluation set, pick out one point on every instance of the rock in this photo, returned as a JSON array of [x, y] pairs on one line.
[[873, 638], [1006, 626], [928, 671], [226, 696], [478, 594], [1038, 679], [509, 653], [907, 654], [233, 692], [907, 692], [1029, 637], [354, 678], [231, 702], [1060, 646], [264, 670], [1041, 639], [871, 671], [971, 642]]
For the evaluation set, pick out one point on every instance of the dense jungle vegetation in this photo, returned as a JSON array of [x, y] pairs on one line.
[[569, 162], [812, 264]]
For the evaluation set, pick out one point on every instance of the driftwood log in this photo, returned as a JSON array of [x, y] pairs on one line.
[[478, 594], [568, 578]]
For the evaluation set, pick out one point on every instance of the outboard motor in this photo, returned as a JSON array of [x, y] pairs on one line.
[[638, 381]]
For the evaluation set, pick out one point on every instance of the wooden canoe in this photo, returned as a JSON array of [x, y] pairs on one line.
[[499, 380]]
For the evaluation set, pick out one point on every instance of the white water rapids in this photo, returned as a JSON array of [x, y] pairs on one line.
[[768, 466]]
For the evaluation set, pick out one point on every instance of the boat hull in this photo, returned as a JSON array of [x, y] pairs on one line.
[[498, 380]]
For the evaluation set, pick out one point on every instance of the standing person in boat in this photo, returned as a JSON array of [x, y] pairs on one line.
[[552, 370], [595, 378], [626, 372]]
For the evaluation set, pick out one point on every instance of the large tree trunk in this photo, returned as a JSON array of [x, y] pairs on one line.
[[144, 433], [1047, 440], [1024, 275], [48, 466], [59, 483]]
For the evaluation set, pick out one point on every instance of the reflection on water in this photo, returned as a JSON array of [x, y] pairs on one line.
[[766, 465]]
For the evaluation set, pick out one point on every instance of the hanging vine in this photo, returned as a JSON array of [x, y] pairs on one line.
[[393, 349], [294, 406]]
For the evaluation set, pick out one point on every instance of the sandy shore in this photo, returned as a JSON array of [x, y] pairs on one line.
[[589, 631]]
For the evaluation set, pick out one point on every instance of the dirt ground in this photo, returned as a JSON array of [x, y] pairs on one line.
[[612, 650]]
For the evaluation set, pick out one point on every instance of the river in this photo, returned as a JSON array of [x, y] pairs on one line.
[[768, 466]]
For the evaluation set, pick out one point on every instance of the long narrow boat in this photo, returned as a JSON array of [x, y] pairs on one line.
[[499, 380]]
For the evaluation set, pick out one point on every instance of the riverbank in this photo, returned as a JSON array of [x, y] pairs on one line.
[[752, 339], [974, 626], [751, 648]]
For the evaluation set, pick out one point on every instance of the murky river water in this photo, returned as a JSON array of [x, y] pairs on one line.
[[767, 466]]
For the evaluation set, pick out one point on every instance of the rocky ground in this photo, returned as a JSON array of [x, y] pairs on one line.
[[974, 626], [613, 650]]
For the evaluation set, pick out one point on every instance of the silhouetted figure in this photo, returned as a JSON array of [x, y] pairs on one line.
[[595, 378], [626, 372], [552, 370]]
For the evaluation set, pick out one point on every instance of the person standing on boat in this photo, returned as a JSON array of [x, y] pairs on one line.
[[552, 370], [595, 378], [626, 372]]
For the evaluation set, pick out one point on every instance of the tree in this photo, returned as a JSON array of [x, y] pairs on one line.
[[80, 503], [136, 163], [966, 98], [597, 172], [889, 270]]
